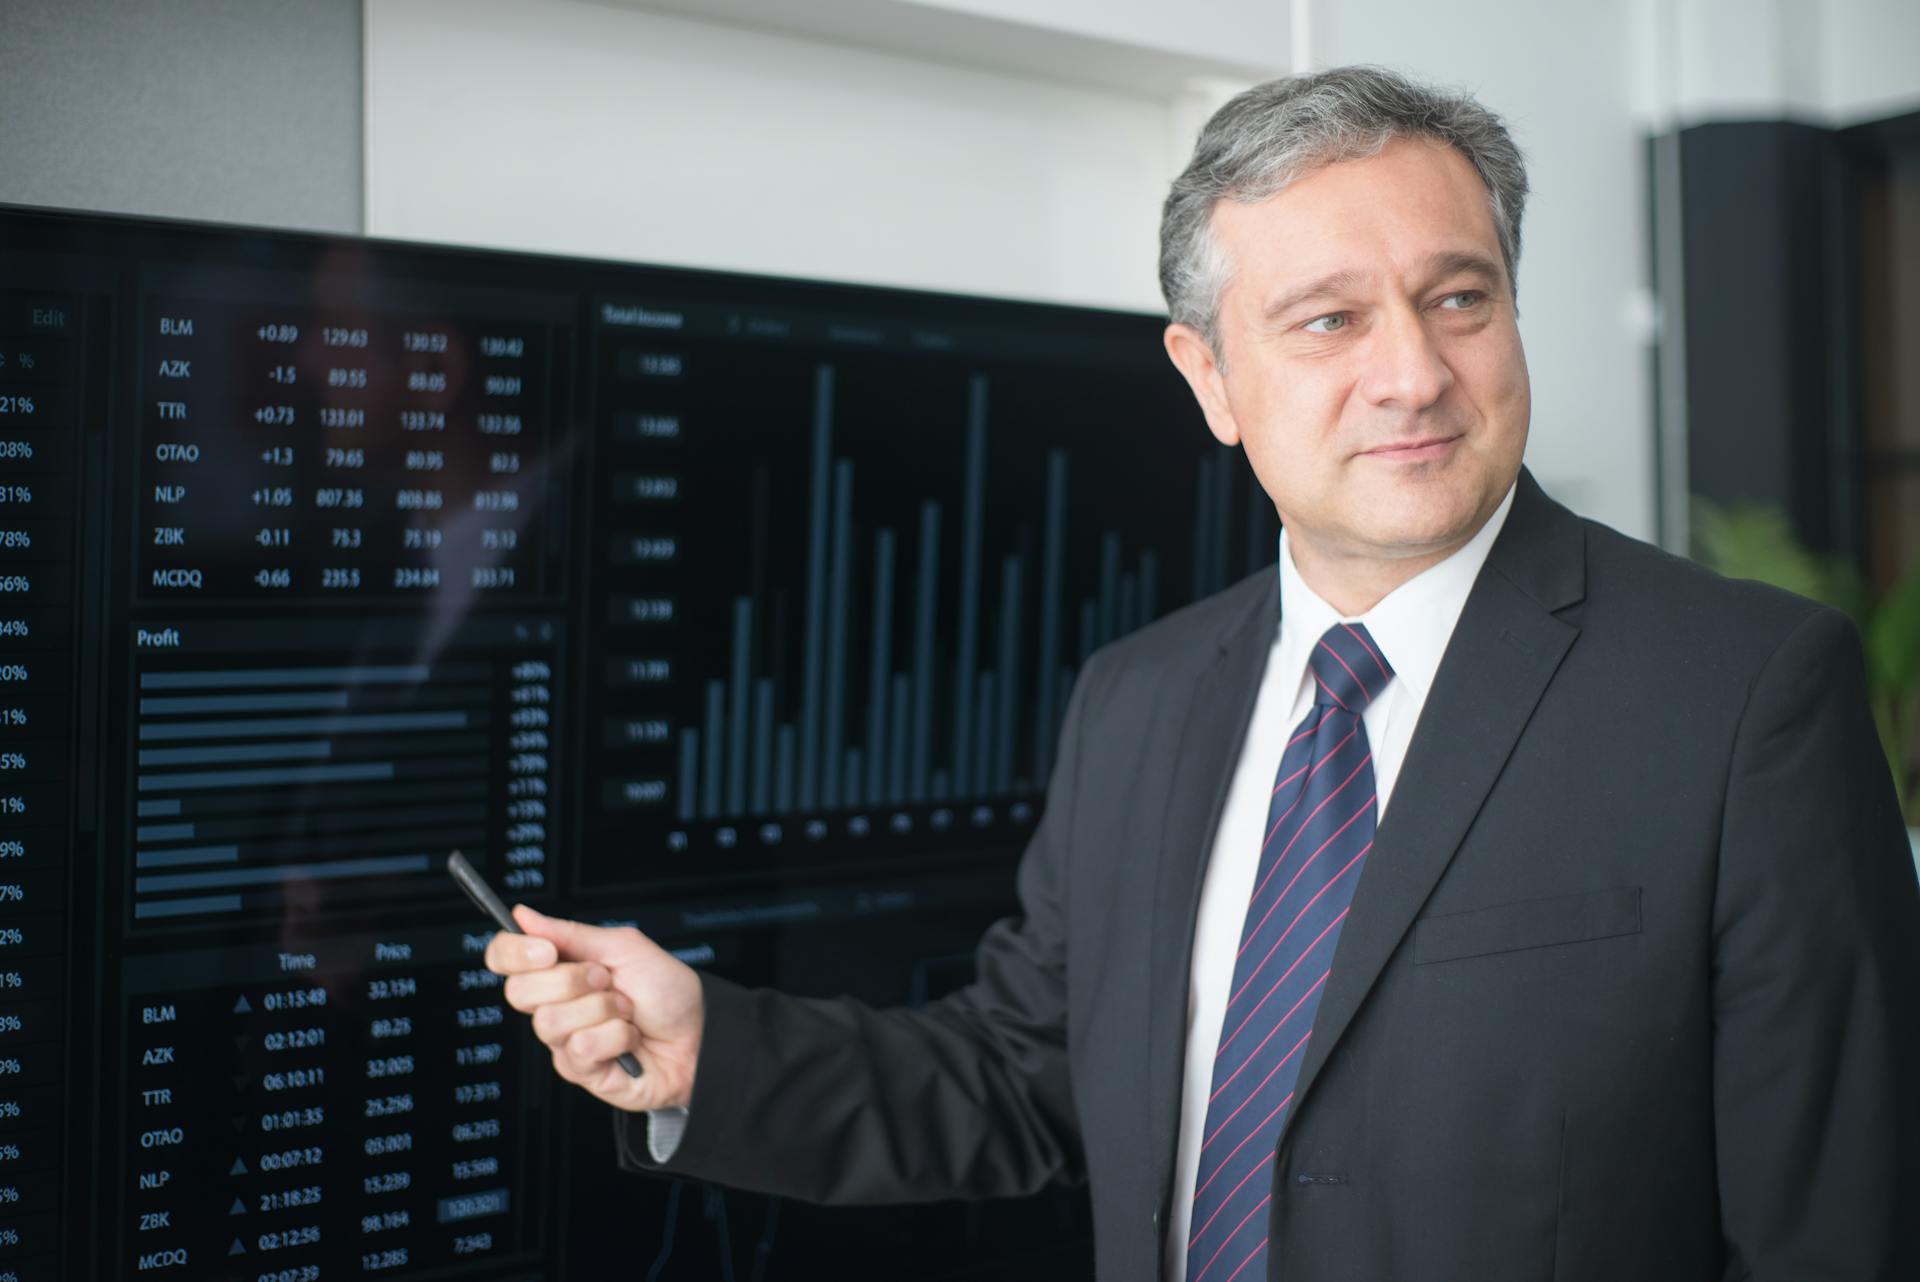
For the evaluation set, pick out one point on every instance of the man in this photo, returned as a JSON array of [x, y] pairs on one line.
[[1491, 896]]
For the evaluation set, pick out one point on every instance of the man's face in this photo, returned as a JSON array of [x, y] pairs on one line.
[[1373, 368]]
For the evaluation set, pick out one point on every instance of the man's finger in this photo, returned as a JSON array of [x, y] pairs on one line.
[[515, 954], [577, 941], [600, 1077], [532, 990], [553, 1022], [571, 1070], [598, 1043]]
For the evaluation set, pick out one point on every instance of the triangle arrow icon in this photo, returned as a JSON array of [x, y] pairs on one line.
[[239, 1207], [242, 1006], [239, 1166], [237, 1248]]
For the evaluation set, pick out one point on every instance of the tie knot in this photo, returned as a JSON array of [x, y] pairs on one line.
[[1348, 668]]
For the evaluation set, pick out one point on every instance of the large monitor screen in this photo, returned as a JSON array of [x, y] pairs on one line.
[[740, 609]]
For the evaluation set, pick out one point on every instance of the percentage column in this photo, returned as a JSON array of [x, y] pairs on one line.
[[40, 401], [529, 771]]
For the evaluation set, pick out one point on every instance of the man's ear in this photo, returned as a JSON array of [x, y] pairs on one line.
[[1191, 354]]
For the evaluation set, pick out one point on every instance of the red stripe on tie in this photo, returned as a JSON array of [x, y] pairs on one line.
[[1242, 1144], [1289, 779], [1278, 1025], [1282, 896], [1312, 729], [1296, 919], [1303, 794], [1249, 1260], [1335, 750], [1385, 671], [1331, 695], [1227, 1200], [1283, 979], [1343, 663], [1229, 1237], [1317, 809], [1255, 1092], [1275, 902]]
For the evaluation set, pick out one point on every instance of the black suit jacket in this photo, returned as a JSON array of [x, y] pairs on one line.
[[1628, 989]]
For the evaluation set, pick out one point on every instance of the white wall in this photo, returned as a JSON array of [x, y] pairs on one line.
[[1228, 30], [1132, 46], [1827, 62], [635, 135], [1870, 59]]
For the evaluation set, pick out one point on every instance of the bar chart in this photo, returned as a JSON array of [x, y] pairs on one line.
[[852, 606], [869, 739], [265, 780]]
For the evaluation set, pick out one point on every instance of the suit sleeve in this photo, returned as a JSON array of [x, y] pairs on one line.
[[834, 1101], [1816, 982]]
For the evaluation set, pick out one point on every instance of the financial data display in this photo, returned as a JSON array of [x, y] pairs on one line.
[[743, 610]]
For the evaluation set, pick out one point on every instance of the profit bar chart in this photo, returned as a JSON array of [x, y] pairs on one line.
[[874, 593], [269, 772]]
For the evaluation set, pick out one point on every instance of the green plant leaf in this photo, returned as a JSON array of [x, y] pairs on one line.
[[1893, 673], [1893, 640], [1748, 542], [1846, 589]]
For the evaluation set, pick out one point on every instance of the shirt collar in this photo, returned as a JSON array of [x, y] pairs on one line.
[[1411, 624]]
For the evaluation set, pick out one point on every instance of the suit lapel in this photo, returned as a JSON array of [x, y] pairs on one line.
[[1209, 746], [1504, 650]]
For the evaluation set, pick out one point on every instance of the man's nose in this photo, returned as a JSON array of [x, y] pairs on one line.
[[1405, 366]]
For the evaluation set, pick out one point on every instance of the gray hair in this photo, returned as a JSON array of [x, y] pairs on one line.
[[1277, 132]]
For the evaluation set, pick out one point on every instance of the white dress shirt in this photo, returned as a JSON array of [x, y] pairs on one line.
[[1411, 627]]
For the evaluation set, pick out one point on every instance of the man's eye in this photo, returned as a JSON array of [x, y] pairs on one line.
[[1334, 321], [1471, 295]]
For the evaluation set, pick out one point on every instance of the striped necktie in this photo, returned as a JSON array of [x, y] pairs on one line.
[[1319, 829]]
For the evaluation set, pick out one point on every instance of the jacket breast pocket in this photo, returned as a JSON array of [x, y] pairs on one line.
[[1528, 923]]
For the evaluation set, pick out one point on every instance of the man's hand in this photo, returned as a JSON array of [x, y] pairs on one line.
[[594, 992]]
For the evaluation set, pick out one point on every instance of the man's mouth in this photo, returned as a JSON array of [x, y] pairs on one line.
[[1415, 451]]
